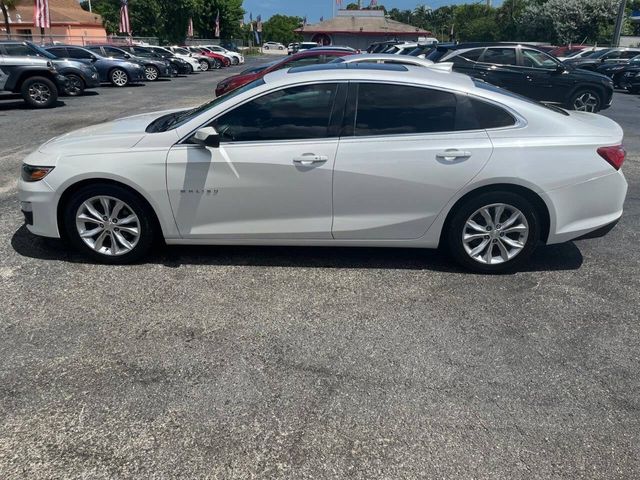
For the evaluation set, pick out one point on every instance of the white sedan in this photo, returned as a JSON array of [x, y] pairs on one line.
[[328, 155]]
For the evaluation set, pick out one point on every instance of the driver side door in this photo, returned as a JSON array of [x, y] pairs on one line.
[[271, 177]]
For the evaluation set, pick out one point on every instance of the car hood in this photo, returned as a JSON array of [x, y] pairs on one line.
[[117, 135]]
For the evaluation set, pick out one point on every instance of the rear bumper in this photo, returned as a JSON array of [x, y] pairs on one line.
[[579, 210]]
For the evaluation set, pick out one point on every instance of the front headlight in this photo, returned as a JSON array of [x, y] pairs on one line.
[[32, 173]]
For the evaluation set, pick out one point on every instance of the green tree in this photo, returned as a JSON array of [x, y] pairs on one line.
[[280, 28], [205, 14]]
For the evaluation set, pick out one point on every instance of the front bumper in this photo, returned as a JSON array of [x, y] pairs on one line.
[[578, 210], [38, 203], [92, 80]]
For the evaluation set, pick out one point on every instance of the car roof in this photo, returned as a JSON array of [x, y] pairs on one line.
[[374, 71], [461, 46], [387, 56]]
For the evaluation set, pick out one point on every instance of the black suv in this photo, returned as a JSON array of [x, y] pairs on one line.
[[530, 72], [35, 79], [612, 56]]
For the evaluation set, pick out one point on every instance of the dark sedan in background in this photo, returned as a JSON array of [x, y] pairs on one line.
[[603, 57], [80, 76], [154, 68], [618, 71], [118, 72], [526, 70], [178, 65]]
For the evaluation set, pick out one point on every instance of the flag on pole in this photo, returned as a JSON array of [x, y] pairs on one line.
[[124, 17], [41, 14], [304, 21], [373, 3], [259, 24], [322, 19], [217, 33], [190, 28]]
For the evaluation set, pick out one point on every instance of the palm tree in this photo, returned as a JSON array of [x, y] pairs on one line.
[[5, 5]]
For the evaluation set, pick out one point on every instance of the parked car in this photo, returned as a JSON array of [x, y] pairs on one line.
[[292, 48], [370, 155], [118, 72], [385, 58], [612, 55], [206, 63], [236, 58], [565, 50], [79, 76], [154, 68], [379, 47], [297, 60], [530, 72], [168, 54], [179, 66], [221, 60], [273, 46], [335, 47], [302, 46], [35, 79], [617, 71], [401, 48]]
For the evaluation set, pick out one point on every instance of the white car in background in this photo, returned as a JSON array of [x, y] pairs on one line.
[[195, 64], [582, 53], [235, 57], [273, 46], [335, 155], [402, 48]]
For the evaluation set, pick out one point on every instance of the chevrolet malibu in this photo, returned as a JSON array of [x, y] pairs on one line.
[[339, 155]]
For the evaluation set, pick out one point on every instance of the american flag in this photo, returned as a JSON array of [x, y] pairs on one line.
[[338, 2], [41, 14], [190, 28], [259, 24], [217, 34], [373, 3], [124, 17]]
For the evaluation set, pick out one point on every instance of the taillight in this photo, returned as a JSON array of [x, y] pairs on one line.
[[614, 155]]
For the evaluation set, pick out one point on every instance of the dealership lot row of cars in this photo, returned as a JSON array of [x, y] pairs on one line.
[[41, 73]]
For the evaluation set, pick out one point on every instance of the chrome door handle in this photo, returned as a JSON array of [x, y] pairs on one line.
[[452, 154], [310, 159]]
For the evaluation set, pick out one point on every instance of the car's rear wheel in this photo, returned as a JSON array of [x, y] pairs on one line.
[[493, 232], [76, 85], [216, 63], [151, 73], [586, 100], [204, 65], [39, 92], [109, 223], [119, 78]]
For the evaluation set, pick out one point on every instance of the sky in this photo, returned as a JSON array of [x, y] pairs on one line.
[[314, 9]]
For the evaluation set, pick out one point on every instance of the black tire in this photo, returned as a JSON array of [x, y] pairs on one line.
[[119, 77], [39, 92], [133, 202], [235, 61], [633, 90], [584, 95], [151, 73], [455, 229], [76, 85], [266, 47], [204, 65], [217, 64]]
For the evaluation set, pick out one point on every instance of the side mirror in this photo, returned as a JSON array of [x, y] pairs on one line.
[[207, 137], [561, 68], [126, 55]]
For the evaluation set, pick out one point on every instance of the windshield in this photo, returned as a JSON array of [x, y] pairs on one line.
[[492, 88], [597, 54], [260, 68], [42, 52], [176, 119], [181, 51]]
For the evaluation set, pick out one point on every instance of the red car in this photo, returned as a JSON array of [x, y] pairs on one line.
[[225, 62], [564, 51], [298, 60]]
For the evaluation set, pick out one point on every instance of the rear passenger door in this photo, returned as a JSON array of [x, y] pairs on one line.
[[404, 152], [499, 66]]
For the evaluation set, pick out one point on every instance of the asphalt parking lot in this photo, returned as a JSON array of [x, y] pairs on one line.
[[246, 362]]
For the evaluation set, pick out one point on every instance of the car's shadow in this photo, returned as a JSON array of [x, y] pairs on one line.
[[565, 256], [15, 102]]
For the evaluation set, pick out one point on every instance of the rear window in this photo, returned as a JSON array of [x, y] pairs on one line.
[[487, 86], [488, 115]]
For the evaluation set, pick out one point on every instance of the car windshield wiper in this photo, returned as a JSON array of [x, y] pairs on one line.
[[164, 123]]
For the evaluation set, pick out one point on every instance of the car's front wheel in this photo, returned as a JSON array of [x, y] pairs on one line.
[[204, 65], [235, 60], [75, 87], [119, 77], [493, 232], [586, 100], [109, 223], [39, 92], [151, 73]]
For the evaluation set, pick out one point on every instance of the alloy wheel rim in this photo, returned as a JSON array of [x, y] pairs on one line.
[[119, 78], [204, 65], [75, 84], [151, 73], [39, 92], [587, 102], [108, 225], [495, 234]]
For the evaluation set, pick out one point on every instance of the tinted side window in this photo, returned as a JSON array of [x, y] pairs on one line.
[[290, 114], [490, 116], [473, 55], [78, 53], [59, 52], [398, 109], [17, 50], [499, 56], [301, 62]]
